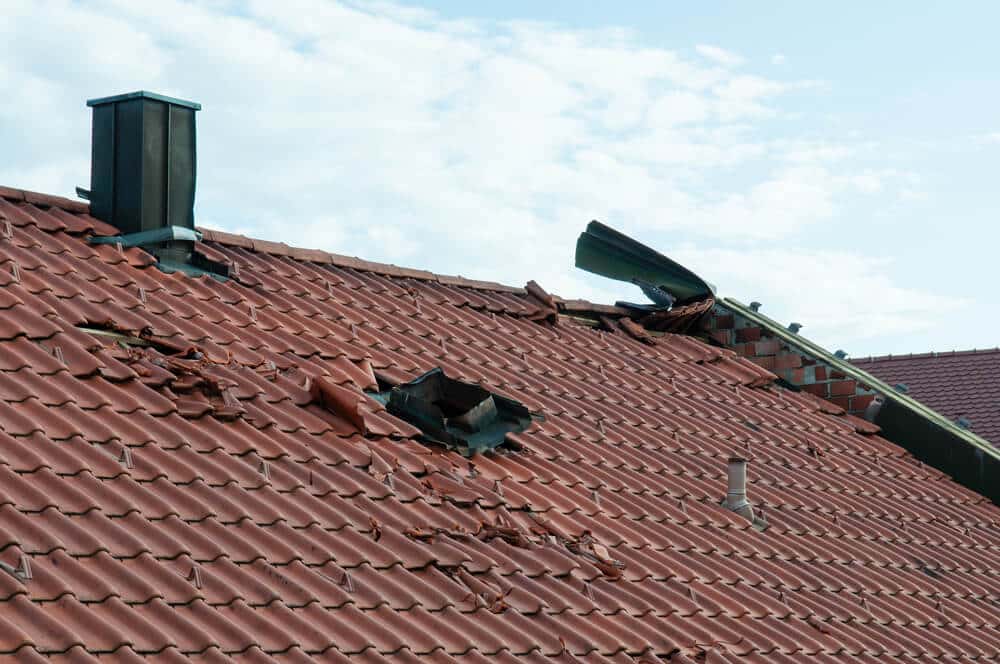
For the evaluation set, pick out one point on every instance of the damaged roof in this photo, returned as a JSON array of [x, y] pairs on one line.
[[193, 470], [962, 385]]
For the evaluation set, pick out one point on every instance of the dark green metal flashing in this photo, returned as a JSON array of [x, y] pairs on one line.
[[145, 238], [143, 94], [608, 253], [929, 436]]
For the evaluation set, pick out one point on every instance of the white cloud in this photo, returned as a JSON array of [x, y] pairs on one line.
[[458, 146], [913, 195], [720, 55], [840, 298], [778, 59]]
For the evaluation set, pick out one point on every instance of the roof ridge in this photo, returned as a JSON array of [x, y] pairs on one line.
[[568, 305], [928, 355], [280, 248], [46, 200], [352, 262]]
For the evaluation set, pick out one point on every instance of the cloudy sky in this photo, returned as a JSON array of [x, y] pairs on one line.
[[842, 167]]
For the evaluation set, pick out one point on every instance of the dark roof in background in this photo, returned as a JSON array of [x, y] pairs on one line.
[[177, 509], [956, 384]]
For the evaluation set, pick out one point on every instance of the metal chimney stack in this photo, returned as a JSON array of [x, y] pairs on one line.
[[143, 162]]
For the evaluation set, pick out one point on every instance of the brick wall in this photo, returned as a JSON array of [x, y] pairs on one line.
[[799, 369]]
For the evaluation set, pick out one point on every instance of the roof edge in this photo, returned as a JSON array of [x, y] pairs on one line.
[[350, 262], [925, 356], [566, 305], [44, 200]]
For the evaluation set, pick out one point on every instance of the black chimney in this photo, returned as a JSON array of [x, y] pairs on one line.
[[143, 162]]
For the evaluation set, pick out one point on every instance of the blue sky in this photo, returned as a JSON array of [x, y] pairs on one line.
[[838, 164]]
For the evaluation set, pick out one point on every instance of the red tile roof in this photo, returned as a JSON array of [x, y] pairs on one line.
[[956, 384], [207, 509]]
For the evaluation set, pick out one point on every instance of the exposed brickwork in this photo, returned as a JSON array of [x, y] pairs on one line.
[[805, 372], [843, 388]]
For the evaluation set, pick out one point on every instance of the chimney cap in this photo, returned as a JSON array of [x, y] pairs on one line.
[[142, 94]]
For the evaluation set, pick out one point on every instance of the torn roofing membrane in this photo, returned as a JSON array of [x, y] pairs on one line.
[[455, 414]]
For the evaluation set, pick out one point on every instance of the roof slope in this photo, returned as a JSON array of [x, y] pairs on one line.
[[956, 384], [157, 506]]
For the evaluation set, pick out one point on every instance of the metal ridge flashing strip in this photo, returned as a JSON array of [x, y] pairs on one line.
[[890, 393]]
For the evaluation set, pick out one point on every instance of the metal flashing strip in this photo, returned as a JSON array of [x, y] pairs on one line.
[[157, 236]]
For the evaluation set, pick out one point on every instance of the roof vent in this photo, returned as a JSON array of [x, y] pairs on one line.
[[794, 327], [755, 306], [143, 161], [873, 408], [840, 354], [902, 388], [736, 492], [964, 422]]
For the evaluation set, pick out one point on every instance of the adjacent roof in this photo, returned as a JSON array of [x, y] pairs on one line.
[[191, 472], [958, 384]]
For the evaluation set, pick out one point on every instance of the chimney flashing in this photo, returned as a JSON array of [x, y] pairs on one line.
[[144, 238], [174, 248]]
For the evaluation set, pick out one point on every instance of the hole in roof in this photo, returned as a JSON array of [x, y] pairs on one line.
[[458, 415], [142, 339]]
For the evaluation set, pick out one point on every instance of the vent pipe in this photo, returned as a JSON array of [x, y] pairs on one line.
[[873, 408], [143, 162], [736, 493]]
